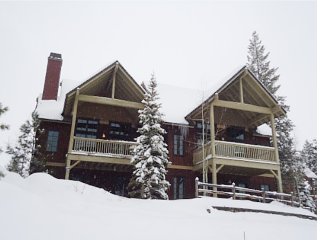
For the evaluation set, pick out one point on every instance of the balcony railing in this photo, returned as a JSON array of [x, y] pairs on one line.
[[235, 151], [102, 147]]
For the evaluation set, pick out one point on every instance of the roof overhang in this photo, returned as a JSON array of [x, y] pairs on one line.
[[254, 93]]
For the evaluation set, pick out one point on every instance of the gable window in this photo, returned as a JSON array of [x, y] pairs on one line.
[[178, 145], [178, 187], [52, 141], [86, 128]]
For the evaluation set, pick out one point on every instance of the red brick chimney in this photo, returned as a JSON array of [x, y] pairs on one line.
[[51, 82]]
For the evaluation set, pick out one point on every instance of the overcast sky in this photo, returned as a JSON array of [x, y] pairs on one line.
[[185, 43]]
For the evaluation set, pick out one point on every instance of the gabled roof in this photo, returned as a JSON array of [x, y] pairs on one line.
[[255, 93], [101, 83], [176, 100]]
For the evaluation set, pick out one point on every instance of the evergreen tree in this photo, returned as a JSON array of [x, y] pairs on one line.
[[309, 155], [260, 66], [2, 125], [150, 156], [305, 196], [2, 111], [25, 157]]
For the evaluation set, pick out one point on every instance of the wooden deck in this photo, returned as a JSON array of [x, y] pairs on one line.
[[233, 150]]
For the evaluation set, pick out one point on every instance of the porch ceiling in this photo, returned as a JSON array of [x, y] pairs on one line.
[[233, 117], [253, 93], [101, 85], [242, 171]]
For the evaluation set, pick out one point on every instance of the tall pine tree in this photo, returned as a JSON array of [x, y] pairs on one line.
[[2, 125], [309, 155], [25, 156], [150, 156], [259, 65]]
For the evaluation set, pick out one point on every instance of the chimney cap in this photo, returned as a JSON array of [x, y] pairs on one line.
[[55, 56]]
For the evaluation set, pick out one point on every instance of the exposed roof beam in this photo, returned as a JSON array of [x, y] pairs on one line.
[[242, 106], [110, 101], [114, 79]]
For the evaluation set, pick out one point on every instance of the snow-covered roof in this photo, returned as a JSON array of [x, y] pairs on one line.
[[177, 102], [264, 129], [309, 173], [52, 109]]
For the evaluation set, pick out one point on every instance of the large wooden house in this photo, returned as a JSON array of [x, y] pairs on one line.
[[91, 126]]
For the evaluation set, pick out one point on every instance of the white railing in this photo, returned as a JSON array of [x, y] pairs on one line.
[[100, 146], [236, 151]]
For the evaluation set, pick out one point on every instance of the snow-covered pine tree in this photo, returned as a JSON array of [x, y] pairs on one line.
[[25, 157], [2, 125], [2, 111], [305, 196], [309, 155], [260, 66], [150, 156]]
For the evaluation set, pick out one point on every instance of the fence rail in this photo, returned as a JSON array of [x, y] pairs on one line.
[[101, 146], [235, 150], [207, 189]]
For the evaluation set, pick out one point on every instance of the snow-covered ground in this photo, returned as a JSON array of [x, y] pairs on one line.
[[42, 207]]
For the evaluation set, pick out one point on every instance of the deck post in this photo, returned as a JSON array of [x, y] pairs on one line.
[[68, 168], [213, 149], [275, 145], [274, 137], [196, 187], [73, 124], [214, 178]]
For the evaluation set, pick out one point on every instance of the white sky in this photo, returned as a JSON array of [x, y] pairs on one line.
[[185, 43]]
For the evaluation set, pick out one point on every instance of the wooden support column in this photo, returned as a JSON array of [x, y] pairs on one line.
[[241, 91], [114, 79], [212, 132], [274, 137], [213, 149], [71, 140], [279, 179], [214, 177]]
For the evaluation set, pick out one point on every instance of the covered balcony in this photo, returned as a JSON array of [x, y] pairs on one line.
[[227, 123]]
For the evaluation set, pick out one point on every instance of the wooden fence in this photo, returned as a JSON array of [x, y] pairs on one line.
[[241, 193]]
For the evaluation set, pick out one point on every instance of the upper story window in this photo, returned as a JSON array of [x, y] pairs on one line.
[[235, 134], [202, 133], [119, 131], [52, 141], [86, 128], [178, 145]]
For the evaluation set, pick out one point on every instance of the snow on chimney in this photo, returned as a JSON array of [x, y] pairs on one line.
[[51, 83]]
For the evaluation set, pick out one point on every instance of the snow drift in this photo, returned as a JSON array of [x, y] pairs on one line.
[[42, 207]]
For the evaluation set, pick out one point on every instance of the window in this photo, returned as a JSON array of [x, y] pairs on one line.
[[178, 145], [235, 134], [119, 131], [178, 187], [265, 187], [52, 142], [200, 131], [86, 128]]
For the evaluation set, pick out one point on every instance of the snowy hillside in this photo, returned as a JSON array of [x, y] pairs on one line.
[[42, 207]]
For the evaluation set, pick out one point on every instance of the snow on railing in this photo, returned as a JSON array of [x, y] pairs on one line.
[[241, 193], [236, 151], [101, 146]]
